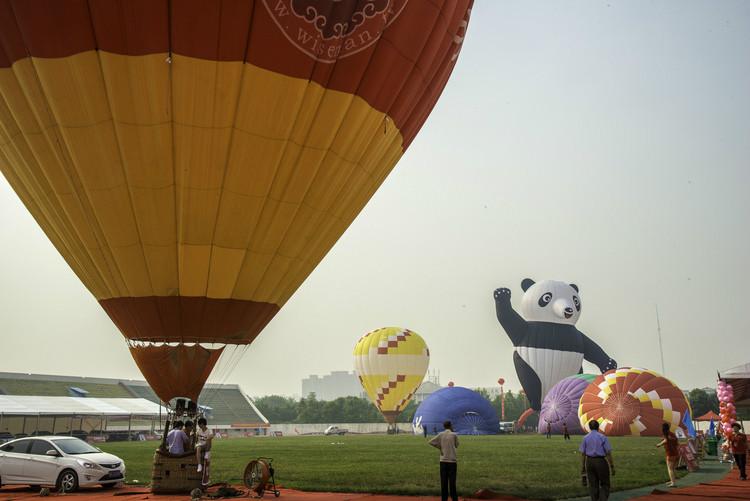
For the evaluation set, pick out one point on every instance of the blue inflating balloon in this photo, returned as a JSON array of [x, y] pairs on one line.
[[470, 413]]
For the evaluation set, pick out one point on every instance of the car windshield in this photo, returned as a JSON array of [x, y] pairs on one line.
[[74, 446]]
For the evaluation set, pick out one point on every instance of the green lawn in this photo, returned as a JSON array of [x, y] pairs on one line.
[[521, 465]]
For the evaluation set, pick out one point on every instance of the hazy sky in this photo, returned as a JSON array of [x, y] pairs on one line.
[[601, 143]]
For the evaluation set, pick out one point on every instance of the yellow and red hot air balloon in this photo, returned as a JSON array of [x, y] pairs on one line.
[[632, 401], [391, 363], [193, 161]]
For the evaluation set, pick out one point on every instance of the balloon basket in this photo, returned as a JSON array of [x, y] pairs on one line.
[[175, 474]]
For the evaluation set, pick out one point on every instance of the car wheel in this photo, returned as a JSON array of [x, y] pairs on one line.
[[67, 481]]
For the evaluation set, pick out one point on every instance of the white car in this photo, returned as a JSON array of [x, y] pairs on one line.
[[335, 430], [63, 462]]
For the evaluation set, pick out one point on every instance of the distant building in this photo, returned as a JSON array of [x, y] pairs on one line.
[[335, 385], [424, 391]]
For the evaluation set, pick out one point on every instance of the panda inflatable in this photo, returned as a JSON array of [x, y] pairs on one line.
[[548, 347]]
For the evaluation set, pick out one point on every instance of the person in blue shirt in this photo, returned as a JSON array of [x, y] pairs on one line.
[[596, 462], [176, 438]]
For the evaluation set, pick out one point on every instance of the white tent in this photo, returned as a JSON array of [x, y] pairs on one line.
[[25, 414], [17, 405], [739, 378]]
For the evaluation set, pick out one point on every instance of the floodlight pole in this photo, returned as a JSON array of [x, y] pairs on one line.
[[502, 403], [661, 348]]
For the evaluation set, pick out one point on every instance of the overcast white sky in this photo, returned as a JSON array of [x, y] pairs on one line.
[[602, 143]]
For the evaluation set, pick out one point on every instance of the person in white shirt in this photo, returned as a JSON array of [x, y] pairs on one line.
[[203, 445], [447, 442]]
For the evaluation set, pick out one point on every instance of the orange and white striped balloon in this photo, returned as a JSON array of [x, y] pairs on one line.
[[632, 401]]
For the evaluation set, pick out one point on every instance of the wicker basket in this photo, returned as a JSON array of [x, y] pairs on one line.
[[175, 474]]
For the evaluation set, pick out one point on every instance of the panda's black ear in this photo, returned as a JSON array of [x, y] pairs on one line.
[[575, 287], [526, 283]]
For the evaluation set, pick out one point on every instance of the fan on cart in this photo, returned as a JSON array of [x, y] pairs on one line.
[[259, 477]]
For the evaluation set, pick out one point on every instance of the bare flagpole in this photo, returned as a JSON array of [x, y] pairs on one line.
[[661, 348]]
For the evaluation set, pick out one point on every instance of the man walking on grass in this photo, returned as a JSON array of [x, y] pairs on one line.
[[596, 462], [447, 442]]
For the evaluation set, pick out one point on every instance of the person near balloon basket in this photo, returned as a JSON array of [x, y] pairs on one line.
[[738, 443], [203, 444], [596, 462], [189, 431], [447, 442], [672, 449], [177, 439]]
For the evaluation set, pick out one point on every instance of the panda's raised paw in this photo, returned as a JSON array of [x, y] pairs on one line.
[[502, 293]]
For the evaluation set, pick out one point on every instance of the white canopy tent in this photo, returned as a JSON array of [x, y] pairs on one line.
[[46, 413]]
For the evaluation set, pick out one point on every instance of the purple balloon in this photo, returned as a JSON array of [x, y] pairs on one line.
[[561, 405]]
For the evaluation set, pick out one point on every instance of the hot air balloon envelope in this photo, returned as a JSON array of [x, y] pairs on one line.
[[632, 401], [470, 412], [194, 161], [391, 363], [560, 406]]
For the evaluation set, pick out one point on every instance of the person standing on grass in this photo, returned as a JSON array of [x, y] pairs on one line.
[[447, 442], [672, 449], [549, 430], [566, 434], [596, 462], [739, 449]]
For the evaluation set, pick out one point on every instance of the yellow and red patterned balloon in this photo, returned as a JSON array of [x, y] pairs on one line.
[[391, 363], [632, 401]]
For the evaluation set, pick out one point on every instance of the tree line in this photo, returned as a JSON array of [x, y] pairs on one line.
[[280, 409]]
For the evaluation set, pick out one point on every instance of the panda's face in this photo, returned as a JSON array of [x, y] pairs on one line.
[[550, 301]]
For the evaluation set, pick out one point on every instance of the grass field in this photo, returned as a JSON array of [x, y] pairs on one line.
[[522, 465]]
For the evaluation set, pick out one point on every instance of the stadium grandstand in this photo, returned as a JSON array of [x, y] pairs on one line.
[[111, 408]]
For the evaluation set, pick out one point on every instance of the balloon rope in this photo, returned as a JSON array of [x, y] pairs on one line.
[[233, 357]]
